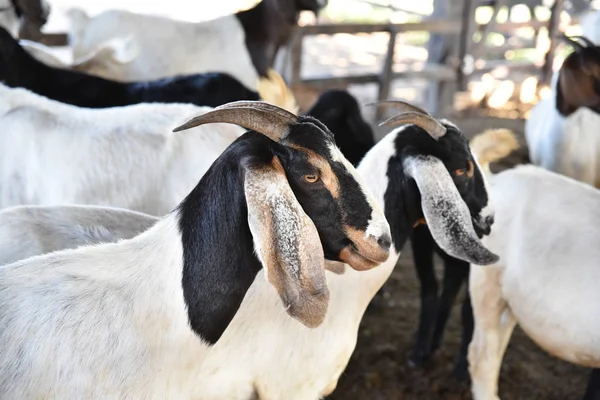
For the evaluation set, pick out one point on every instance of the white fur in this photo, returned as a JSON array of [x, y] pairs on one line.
[[52, 153], [546, 234], [167, 47], [571, 145], [106, 59], [134, 285], [27, 231], [8, 18]]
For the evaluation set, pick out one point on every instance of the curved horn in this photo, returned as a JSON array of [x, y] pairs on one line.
[[447, 215], [265, 118], [587, 41], [568, 40], [399, 105], [435, 129]]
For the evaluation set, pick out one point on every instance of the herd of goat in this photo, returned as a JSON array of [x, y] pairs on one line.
[[172, 227]]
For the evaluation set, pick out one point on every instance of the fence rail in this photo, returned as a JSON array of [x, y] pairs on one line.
[[432, 72]]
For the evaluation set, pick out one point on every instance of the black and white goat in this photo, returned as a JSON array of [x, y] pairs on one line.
[[19, 69], [134, 319], [561, 131], [411, 173], [435, 311], [243, 44]]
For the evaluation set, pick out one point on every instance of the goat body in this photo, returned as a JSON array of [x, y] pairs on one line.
[[126, 157], [216, 45], [546, 233], [566, 145], [243, 44], [27, 231]]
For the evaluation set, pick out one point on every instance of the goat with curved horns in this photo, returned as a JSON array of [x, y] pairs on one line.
[[132, 319]]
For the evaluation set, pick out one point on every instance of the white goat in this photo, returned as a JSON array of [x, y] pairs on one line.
[[27, 231], [244, 44], [168, 47], [561, 131], [134, 319], [546, 234], [52, 153]]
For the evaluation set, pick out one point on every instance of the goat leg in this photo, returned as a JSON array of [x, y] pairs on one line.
[[423, 247]]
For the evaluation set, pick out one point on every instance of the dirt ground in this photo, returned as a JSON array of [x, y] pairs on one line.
[[379, 369]]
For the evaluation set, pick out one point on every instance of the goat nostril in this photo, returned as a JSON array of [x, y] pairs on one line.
[[489, 220], [385, 242]]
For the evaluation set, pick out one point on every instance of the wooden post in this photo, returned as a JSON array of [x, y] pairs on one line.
[[553, 28], [387, 72], [296, 58], [467, 18]]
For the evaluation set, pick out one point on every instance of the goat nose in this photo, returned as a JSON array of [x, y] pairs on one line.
[[489, 220], [385, 242]]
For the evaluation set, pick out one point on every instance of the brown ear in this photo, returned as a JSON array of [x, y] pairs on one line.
[[287, 243]]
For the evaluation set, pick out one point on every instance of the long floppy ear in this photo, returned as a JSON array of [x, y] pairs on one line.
[[287, 243], [448, 217]]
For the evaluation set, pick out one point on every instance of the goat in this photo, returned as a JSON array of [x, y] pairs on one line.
[[561, 130], [53, 153], [27, 231], [134, 319], [19, 69], [340, 112], [435, 311], [411, 173], [242, 44], [545, 233]]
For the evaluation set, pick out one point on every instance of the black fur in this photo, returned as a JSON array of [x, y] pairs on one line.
[[592, 392], [270, 25], [219, 260], [19, 69], [340, 111]]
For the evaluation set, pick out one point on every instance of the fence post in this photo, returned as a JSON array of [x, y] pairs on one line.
[[387, 72], [296, 58], [553, 27]]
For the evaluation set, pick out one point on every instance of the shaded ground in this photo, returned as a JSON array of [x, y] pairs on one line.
[[379, 369]]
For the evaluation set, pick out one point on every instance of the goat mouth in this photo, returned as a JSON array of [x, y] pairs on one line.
[[481, 228], [351, 256]]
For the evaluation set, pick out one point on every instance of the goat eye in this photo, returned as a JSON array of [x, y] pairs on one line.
[[460, 172], [311, 178]]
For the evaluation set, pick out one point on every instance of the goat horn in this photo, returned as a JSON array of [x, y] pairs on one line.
[[570, 41], [435, 129], [587, 41], [265, 118], [398, 105]]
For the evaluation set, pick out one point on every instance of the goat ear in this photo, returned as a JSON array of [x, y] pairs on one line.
[[447, 215], [287, 243]]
